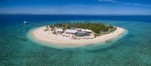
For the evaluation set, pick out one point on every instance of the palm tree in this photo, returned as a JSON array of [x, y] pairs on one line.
[[95, 27]]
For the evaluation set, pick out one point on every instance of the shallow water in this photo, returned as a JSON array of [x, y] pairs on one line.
[[131, 50]]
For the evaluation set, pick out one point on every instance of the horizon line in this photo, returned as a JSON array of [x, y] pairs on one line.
[[78, 14]]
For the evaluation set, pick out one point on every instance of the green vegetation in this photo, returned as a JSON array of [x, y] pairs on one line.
[[95, 27], [95, 35], [74, 37], [46, 28], [54, 32]]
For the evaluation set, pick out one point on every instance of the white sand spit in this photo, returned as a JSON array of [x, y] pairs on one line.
[[47, 36]]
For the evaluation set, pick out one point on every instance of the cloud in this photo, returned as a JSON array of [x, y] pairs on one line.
[[134, 4], [44, 10], [126, 3], [147, 5], [52, 10], [137, 4], [107, 0], [141, 5]]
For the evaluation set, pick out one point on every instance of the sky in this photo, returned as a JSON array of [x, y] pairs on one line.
[[85, 7]]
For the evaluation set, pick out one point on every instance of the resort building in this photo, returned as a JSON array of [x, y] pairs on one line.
[[76, 32], [102, 32], [59, 30], [70, 31], [86, 30]]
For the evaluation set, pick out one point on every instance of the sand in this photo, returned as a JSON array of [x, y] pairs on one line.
[[52, 39]]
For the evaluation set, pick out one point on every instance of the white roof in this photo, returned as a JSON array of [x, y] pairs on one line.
[[78, 28], [71, 31], [87, 30], [59, 29]]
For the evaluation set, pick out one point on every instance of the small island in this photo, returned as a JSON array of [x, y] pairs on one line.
[[76, 34]]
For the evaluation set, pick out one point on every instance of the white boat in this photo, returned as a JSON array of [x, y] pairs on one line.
[[26, 22]]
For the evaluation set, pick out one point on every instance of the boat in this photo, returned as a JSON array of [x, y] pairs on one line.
[[26, 22]]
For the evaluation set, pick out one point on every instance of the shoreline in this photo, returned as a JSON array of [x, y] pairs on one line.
[[50, 39]]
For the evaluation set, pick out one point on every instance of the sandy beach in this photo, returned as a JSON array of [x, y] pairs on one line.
[[49, 38]]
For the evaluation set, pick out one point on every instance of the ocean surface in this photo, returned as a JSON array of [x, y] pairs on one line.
[[133, 49]]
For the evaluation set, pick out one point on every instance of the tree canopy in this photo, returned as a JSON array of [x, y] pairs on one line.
[[95, 27]]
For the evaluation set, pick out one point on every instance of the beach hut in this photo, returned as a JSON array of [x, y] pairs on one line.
[[102, 32], [88, 31], [79, 29], [59, 30]]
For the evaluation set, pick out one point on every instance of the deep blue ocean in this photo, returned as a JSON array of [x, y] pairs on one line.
[[133, 49]]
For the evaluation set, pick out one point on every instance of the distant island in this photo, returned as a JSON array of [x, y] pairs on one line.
[[76, 34]]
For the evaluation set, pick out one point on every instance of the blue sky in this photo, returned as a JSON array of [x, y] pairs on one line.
[[96, 7]]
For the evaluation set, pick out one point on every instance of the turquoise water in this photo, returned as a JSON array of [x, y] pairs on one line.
[[82, 34], [133, 49]]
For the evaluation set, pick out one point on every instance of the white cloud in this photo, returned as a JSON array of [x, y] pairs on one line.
[[47, 10], [107, 0], [147, 5], [44, 10], [126, 3], [136, 4], [52, 10]]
